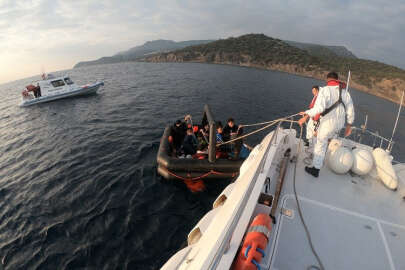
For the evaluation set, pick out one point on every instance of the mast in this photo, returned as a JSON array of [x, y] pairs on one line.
[[347, 83]]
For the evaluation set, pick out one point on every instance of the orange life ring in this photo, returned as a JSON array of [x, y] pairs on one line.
[[255, 243]]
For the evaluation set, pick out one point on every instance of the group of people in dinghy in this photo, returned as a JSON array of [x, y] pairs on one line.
[[188, 141]]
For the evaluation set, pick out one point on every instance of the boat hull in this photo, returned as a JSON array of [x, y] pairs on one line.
[[86, 90]]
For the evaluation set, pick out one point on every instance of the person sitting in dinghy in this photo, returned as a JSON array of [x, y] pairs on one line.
[[190, 144], [176, 137], [202, 136], [221, 150], [232, 131], [219, 137]]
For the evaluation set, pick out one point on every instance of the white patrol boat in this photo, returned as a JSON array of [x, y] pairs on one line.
[[52, 88], [275, 216]]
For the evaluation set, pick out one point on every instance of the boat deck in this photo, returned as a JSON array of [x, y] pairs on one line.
[[355, 222]]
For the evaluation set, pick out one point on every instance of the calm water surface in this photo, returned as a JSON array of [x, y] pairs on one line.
[[78, 183]]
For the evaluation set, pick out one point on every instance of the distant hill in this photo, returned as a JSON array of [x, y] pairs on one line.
[[140, 51], [322, 50], [162, 45], [260, 51]]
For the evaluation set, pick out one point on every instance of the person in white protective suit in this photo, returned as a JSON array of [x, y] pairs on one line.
[[335, 106], [313, 122]]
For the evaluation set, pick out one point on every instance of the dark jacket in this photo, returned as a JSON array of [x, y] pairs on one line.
[[226, 134], [178, 133], [190, 145]]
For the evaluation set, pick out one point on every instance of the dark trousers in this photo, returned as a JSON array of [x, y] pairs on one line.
[[37, 93]]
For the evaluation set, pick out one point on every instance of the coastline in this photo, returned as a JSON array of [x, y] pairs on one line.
[[291, 69]]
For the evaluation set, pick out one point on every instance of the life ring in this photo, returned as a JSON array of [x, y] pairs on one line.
[[255, 244], [385, 171]]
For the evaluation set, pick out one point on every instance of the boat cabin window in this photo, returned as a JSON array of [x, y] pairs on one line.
[[68, 81], [57, 83]]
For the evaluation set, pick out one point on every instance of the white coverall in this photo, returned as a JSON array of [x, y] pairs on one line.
[[310, 130], [331, 123]]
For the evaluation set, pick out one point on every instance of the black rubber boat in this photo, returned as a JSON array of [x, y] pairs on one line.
[[193, 169]]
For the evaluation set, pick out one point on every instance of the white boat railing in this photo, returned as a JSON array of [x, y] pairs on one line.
[[358, 134]]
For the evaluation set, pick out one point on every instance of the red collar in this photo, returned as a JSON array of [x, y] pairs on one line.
[[313, 101], [337, 83]]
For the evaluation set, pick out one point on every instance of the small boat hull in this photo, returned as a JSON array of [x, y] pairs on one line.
[[83, 90]]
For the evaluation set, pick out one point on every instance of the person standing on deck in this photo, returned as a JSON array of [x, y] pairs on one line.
[[335, 106], [313, 123]]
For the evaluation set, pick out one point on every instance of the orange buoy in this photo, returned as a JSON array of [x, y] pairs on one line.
[[255, 243], [195, 185]]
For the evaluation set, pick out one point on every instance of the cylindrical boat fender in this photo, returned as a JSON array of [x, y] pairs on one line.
[[255, 243], [363, 161], [385, 171], [340, 160]]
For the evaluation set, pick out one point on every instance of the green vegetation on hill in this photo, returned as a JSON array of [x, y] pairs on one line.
[[258, 50], [322, 50], [137, 52]]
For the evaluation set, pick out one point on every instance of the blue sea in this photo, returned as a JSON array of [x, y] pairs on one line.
[[78, 181]]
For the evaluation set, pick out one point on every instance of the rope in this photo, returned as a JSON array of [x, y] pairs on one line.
[[321, 267], [258, 124], [199, 177], [285, 119], [269, 122]]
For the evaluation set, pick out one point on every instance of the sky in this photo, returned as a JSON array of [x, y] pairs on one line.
[[51, 35]]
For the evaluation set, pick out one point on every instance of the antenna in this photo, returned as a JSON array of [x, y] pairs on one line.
[[43, 75], [347, 83], [396, 122]]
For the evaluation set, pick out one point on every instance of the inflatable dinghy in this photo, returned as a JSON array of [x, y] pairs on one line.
[[171, 167]]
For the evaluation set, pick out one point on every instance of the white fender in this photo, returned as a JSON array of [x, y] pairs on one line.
[[334, 144], [197, 232], [363, 161], [340, 159], [221, 199], [384, 168]]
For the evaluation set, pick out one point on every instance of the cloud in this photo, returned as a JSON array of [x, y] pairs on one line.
[[57, 33]]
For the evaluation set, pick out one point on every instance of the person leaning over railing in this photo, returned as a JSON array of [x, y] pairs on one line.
[[335, 106]]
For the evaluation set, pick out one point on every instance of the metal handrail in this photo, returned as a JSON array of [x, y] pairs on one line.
[[374, 135]]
